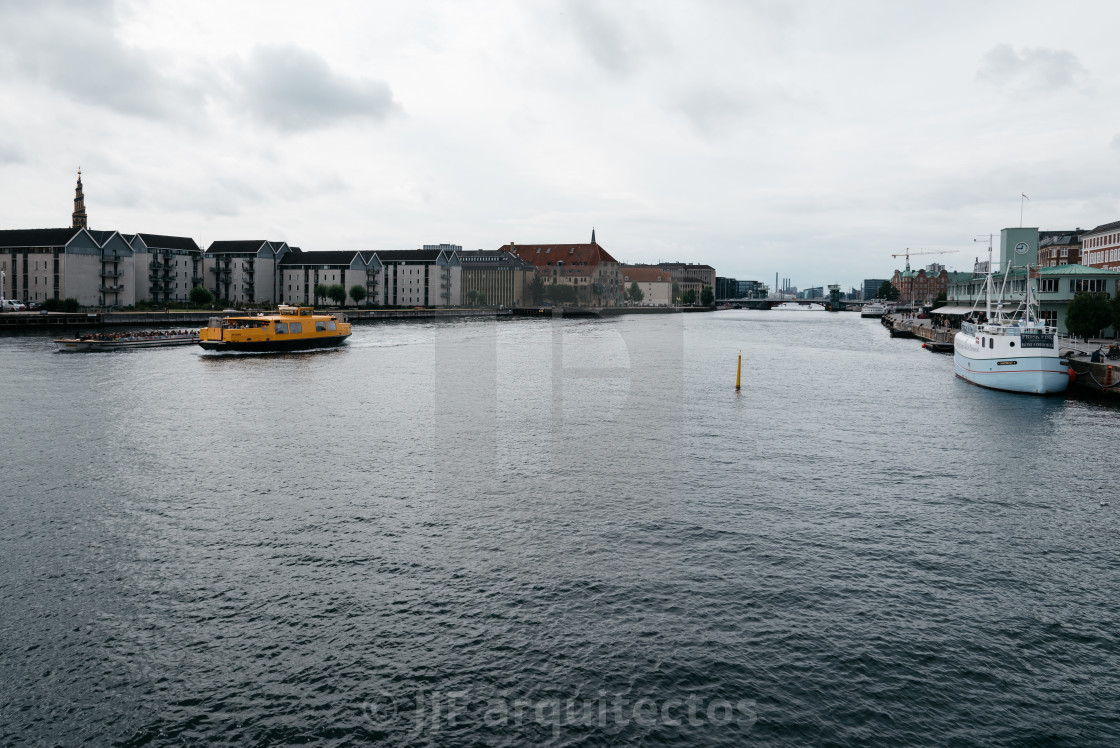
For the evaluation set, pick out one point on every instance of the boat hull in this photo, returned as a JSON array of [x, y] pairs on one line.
[[274, 346], [76, 345], [1041, 375]]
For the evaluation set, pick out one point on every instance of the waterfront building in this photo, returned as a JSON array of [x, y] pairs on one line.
[[655, 282], [1059, 248], [684, 284], [1053, 287], [921, 286], [244, 270], [300, 272], [502, 278], [816, 292], [871, 286], [1100, 248], [727, 288], [166, 268], [588, 268], [752, 289], [414, 277], [706, 274]]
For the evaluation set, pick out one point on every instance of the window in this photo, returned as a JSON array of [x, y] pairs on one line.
[[1065, 252], [320, 326], [1087, 285], [281, 328], [331, 325], [1047, 285], [296, 327]]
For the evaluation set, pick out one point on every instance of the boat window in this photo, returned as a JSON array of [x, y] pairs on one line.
[[331, 325], [320, 326], [281, 328], [1012, 343], [295, 327], [991, 342]]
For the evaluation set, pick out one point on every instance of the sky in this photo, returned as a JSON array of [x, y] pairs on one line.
[[810, 139]]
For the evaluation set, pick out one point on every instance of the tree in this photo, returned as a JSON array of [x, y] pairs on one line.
[[560, 293], [1115, 305], [635, 293], [357, 293], [887, 291], [676, 291], [707, 296], [689, 296], [337, 293], [536, 290], [322, 290], [481, 299], [1088, 314], [941, 298], [200, 295], [472, 297]]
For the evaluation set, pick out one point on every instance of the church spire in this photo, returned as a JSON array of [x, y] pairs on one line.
[[79, 204], [592, 234]]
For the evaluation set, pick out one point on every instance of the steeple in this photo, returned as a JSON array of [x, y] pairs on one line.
[[592, 234], [79, 204]]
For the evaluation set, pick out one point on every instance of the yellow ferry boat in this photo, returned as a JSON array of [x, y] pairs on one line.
[[291, 329]]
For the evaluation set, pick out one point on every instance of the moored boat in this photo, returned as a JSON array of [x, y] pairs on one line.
[[126, 340], [1014, 352], [873, 310], [289, 329]]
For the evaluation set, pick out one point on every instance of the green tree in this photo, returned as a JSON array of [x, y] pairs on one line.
[[536, 290], [357, 293], [1088, 314], [1115, 305], [481, 299], [321, 291], [941, 298], [887, 291], [337, 293], [689, 296], [560, 293], [200, 295], [707, 296], [472, 297], [635, 293], [676, 291]]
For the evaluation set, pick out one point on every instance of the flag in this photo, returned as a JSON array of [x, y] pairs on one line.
[[1024, 195]]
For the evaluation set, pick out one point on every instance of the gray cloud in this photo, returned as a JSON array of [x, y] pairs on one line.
[[293, 89], [616, 46], [10, 153], [1035, 69], [1116, 142], [74, 49], [712, 110]]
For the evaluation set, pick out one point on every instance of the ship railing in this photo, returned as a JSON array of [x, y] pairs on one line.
[[968, 328]]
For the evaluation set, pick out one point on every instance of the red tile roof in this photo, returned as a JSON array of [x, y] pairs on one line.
[[578, 255], [645, 274]]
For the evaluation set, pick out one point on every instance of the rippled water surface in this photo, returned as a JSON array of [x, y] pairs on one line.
[[563, 532]]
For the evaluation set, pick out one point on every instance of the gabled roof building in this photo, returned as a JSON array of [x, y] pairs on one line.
[[589, 268]]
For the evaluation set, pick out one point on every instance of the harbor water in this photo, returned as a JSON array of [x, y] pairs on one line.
[[568, 532]]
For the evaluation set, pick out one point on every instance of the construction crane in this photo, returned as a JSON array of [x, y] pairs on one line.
[[907, 254]]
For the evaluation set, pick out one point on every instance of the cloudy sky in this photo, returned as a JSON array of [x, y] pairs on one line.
[[812, 139]]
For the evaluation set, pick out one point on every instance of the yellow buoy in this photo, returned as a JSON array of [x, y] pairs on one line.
[[739, 371]]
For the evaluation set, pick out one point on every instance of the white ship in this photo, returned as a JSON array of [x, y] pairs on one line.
[[1014, 352], [873, 310]]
